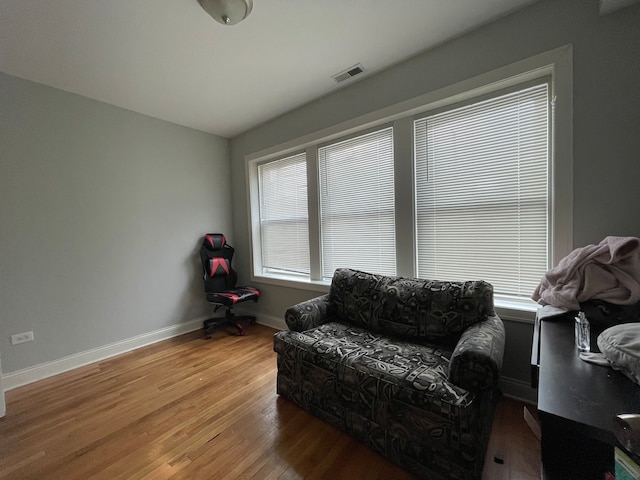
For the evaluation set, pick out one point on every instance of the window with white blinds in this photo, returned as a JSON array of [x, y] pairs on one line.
[[284, 224], [357, 207], [481, 174]]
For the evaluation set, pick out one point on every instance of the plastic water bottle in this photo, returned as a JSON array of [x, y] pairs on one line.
[[583, 333]]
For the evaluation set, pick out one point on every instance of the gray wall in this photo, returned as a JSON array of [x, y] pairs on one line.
[[101, 210], [606, 69]]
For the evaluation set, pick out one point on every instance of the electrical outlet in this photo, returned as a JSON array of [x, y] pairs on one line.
[[21, 338]]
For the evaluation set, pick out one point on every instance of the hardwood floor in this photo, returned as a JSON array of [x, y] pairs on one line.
[[190, 408]]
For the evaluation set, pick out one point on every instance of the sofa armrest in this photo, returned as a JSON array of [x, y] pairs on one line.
[[309, 314], [476, 361]]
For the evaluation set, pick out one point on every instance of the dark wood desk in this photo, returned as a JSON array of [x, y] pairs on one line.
[[576, 403]]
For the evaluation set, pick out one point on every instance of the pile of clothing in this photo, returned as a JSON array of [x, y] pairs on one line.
[[609, 271]]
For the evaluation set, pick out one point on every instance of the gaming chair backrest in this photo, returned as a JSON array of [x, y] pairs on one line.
[[216, 257]]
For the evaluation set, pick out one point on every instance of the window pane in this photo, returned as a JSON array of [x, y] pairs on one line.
[[482, 192], [284, 226], [357, 204]]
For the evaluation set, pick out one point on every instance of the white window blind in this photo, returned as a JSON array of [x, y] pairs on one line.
[[284, 226], [482, 192], [357, 205]]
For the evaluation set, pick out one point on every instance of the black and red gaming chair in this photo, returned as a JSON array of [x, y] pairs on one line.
[[220, 283]]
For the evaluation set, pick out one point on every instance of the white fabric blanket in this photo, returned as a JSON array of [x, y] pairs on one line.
[[609, 271]]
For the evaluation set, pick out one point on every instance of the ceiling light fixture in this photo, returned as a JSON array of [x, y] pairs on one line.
[[227, 12]]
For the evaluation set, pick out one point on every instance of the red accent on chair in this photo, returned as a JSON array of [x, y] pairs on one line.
[[216, 240], [255, 291], [217, 263], [232, 296]]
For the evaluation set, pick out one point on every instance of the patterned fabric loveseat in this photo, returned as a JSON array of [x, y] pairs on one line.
[[408, 366]]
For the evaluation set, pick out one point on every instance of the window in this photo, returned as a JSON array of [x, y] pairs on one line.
[[284, 222], [473, 181], [357, 210], [482, 191]]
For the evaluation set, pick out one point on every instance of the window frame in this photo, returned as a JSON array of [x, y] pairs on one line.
[[556, 64]]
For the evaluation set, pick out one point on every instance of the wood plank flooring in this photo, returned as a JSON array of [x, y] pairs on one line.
[[190, 408]]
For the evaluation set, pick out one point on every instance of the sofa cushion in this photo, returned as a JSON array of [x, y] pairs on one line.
[[410, 307], [405, 372]]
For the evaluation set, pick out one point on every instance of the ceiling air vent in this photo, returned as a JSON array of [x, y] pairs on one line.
[[350, 72]]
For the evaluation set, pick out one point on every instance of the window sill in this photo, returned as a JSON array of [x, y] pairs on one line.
[[516, 309], [293, 282], [512, 308]]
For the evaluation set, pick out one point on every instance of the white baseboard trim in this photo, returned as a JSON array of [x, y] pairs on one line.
[[518, 390], [45, 370], [272, 321]]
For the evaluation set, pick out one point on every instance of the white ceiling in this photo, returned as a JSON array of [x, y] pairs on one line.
[[168, 59]]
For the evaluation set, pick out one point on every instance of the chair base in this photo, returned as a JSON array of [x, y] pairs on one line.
[[229, 319]]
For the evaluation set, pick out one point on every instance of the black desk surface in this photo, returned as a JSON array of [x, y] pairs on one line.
[[577, 391]]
